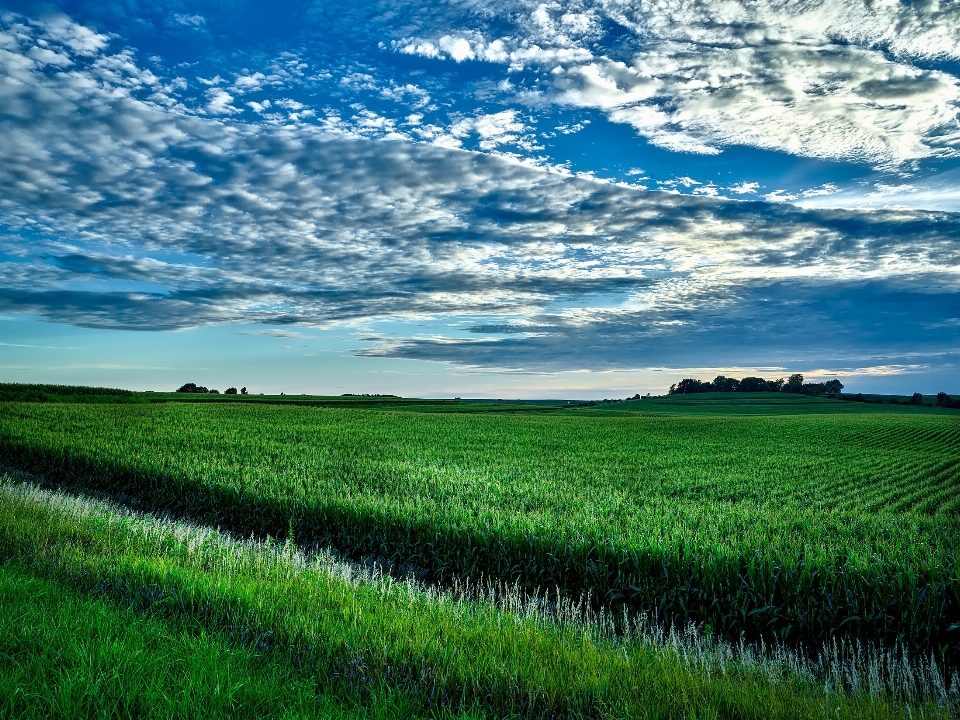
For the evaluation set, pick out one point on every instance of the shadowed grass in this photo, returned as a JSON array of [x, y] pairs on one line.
[[64, 654]]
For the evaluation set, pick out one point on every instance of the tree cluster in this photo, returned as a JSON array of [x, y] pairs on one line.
[[944, 400], [194, 388], [721, 383]]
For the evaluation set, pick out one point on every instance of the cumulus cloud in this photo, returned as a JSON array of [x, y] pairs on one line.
[[744, 188], [493, 129], [459, 48], [219, 102], [118, 212], [248, 83]]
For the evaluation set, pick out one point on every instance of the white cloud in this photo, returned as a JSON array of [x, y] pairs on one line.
[[825, 189], [77, 38], [685, 181], [780, 196], [288, 104], [885, 189], [457, 48], [259, 108], [248, 83], [744, 188], [415, 97], [570, 129], [423, 49], [45, 56], [219, 102], [827, 79], [495, 52], [493, 129], [191, 21]]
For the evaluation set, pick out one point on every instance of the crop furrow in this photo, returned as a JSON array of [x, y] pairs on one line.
[[925, 484]]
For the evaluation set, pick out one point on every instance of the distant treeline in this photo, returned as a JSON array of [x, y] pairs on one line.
[[24, 392], [374, 395], [194, 388], [721, 383]]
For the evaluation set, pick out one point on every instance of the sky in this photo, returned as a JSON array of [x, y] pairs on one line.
[[472, 198]]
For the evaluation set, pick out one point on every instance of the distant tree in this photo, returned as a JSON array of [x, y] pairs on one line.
[[833, 386], [213, 392], [916, 399], [243, 391], [725, 384], [191, 388], [775, 385], [688, 386], [753, 384], [230, 391], [794, 383], [944, 400]]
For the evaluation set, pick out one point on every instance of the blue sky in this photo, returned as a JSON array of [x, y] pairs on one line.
[[510, 199]]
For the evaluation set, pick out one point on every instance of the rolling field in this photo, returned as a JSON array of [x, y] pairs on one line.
[[799, 522]]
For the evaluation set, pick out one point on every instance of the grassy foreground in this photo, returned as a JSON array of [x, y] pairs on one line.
[[794, 526], [65, 654], [110, 613]]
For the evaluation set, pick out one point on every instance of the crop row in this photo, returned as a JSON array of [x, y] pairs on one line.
[[750, 525]]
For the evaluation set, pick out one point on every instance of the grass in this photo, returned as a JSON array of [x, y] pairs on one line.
[[106, 612], [65, 654], [795, 526]]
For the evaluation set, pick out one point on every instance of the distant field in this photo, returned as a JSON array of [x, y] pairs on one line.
[[794, 519]]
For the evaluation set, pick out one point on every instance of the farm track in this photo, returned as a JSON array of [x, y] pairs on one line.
[[838, 531]]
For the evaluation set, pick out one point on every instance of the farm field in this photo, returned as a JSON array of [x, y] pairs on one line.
[[797, 522]]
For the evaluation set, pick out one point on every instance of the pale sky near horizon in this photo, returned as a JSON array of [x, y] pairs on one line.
[[499, 199]]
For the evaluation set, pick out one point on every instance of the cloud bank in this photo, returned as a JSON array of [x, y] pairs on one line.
[[122, 208]]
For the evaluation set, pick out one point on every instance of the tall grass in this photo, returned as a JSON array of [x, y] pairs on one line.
[[473, 649], [64, 654]]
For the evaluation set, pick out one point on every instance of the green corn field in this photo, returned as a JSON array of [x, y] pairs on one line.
[[792, 523]]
